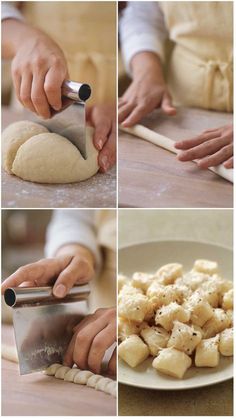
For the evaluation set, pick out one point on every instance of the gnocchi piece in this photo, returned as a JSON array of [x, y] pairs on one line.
[[163, 295], [205, 266], [193, 279], [127, 328], [226, 345], [133, 351], [155, 337], [228, 299], [133, 307], [200, 309], [167, 274], [207, 353], [172, 362], [217, 323], [128, 290], [121, 281], [141, 280], [184, 338], [166, 315], [230, 316]]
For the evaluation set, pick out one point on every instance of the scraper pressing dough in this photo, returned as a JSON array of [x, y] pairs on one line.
[[33, 153], [168, 144]]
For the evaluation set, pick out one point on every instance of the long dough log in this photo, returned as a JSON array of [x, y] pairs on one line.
[[77, 376], [9, 352], [168, 144]]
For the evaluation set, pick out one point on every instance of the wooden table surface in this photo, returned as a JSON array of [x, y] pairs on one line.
[[96, 192], [152, 177], [39, 395]]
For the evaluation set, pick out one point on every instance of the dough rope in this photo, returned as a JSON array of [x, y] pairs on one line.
[[168, 144], [9, 353], [77, 376]]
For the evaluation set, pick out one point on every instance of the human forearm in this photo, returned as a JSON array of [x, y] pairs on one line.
[[147, 64]]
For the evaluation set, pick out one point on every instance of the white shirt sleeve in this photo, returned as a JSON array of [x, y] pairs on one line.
[[10, 11], [142, 28], [72, 226]]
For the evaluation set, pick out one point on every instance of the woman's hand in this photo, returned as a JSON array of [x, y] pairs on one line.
[[211, 148], [103, 119], [73, 264], [147, 91], [38, 67], [92, 337]]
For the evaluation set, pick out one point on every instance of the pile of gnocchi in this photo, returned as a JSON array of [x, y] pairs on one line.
[[180, 319]]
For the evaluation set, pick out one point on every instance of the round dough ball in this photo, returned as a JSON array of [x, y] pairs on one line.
[[51, 158], [14, 136]]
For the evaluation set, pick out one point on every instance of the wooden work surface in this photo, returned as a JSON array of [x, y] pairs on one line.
[[96, 192], [39, 395], [152, 177]]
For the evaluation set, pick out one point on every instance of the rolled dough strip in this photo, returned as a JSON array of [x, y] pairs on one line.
[[75, 375], [168, 144], [9, 352]]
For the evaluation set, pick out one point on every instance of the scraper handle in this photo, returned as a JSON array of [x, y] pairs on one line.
[[79, 92]]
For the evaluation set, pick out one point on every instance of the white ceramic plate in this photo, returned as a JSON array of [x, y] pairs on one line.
[[147, 257]]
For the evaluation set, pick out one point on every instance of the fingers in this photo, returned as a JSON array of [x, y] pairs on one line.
[[195, 141], [229, 164], [100, 344], [219, 157], [102, 124], [38, 96], [136, 115], [203, 150], [124, 110], [79, 271], [40, 273], [84, 341], [167, 106], [25, 91], [68, 357], [52, 86], [112, 364], [107, 157]]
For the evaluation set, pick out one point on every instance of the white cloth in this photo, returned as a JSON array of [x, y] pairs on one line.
[[142, 28], [72, 226], [10, 11]]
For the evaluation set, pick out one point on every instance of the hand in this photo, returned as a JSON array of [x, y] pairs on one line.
[[72, 265], [92, 337], [146, 92], [38, 67], [103, 119], [211, 148]]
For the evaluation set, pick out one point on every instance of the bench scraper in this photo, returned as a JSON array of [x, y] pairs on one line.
[[70, 121], [43, 324]]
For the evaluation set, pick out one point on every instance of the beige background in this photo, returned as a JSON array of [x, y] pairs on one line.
[[215, 226]]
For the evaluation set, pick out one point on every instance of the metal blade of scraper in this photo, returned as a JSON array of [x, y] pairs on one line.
[[70, 123], [43, 325]]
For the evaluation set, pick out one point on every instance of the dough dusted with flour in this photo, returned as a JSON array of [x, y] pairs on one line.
[[77, 376], [33, 153]]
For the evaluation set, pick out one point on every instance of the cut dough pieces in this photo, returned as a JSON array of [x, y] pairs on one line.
[[77, 376], [168, 144], [33, 153]]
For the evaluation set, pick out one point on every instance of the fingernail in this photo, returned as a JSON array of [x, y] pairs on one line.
[[100, 143], [105, 163], [60, 291]]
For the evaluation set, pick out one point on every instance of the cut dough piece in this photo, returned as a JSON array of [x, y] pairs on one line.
[[70, 374], [46, 157], [93, 380], [111, 388], [61, 372], [168, 144], [9, 353], [14, 136], [52, 369], [82, 377]]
